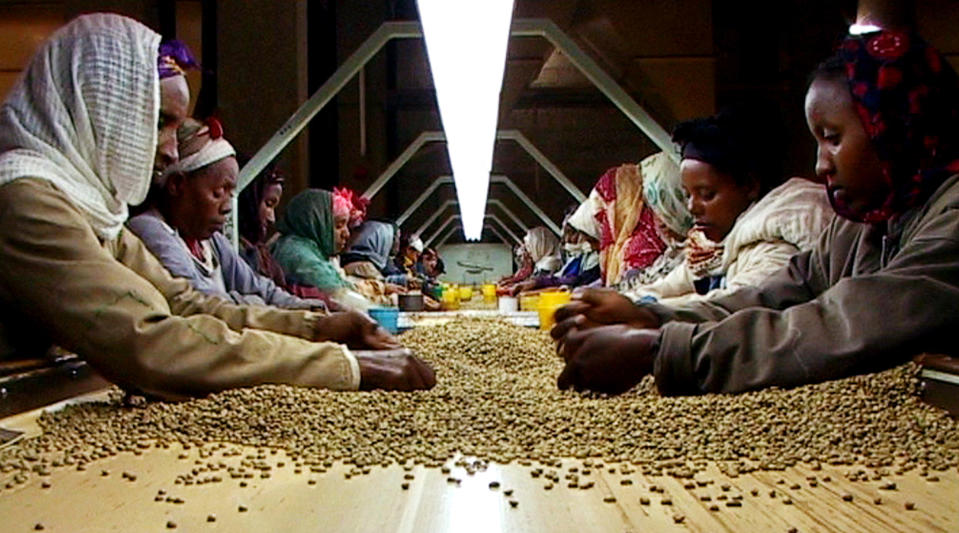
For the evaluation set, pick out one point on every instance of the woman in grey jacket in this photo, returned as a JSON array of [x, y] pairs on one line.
[[189, 203], [881, 285]]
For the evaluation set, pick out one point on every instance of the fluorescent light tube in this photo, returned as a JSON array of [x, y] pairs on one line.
[[466, 45]]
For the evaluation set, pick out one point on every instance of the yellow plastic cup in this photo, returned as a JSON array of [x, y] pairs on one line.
[[451, 299], [529, 302], [489, 293], [466, 293], [549, 302]]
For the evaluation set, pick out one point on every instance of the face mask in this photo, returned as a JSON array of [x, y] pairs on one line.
[[578, 248]]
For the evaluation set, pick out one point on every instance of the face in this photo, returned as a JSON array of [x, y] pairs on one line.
[[267, 212], [200, 202], [845, 157], [395, 249], [341, 232], [715, 199], [174, 100]]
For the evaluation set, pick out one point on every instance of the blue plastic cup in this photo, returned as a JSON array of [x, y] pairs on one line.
[[386, 317]]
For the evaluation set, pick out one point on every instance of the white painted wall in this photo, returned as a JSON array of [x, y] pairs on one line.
[[476, 263]]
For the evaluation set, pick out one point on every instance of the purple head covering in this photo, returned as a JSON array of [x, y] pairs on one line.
[[174, 59]]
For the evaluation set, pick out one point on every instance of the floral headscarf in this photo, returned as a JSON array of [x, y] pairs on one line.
[[907, 98], [629, 235]]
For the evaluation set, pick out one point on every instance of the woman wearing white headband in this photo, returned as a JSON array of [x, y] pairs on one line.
[[188, 207], [78, 137]]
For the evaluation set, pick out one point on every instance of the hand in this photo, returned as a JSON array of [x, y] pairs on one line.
[[392, 288], [523, 286], [610, 359], [356, 330], [603, 306], [393, 370]]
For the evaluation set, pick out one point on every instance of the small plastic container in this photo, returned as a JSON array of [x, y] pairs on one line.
[[466, 293], [451, 299], [507, 304], [489, 293], [528, 302], [549, 302], [386, 317]]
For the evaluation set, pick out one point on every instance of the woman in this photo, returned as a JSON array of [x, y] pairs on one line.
[[314, 230], [370, 253], [94, 115], [187, 208], [747, 225], [665, 203], [257, 205], [539, 256], [581, 234], [880, 286]]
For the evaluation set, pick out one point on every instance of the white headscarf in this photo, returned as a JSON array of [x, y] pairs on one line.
[[543, 248], [583, 220], [84, 116]]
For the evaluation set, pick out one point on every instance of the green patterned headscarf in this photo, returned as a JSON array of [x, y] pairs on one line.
[[307, 243]]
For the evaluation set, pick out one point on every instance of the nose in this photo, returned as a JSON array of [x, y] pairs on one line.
[[824, 164], [167, 153], [271, 216], [695, 208]]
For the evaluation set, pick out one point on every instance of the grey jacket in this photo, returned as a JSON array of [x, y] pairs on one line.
[[864, 299], [243, 285]]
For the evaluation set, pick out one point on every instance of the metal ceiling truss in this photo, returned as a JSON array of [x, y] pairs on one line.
[[505, 135], [448, 203], [442, 240], [411, 30], [452, 218]]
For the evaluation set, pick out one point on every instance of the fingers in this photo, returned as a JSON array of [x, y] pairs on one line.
[[571, 309], [567, 377], [571, 344], [427, 377], [561, 329]]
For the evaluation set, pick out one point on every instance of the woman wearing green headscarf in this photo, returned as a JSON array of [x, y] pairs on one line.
[[314, 230]]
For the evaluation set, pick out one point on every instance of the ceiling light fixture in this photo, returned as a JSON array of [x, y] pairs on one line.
[[466, 45]]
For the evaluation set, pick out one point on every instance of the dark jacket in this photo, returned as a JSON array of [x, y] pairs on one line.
[[864, 299]]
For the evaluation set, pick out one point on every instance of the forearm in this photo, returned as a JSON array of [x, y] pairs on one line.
[[860, 325]]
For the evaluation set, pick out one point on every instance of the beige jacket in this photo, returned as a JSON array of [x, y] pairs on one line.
[[786, 221], [115, 305]]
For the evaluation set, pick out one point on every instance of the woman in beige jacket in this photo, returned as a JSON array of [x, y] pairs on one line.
[[79, 135]]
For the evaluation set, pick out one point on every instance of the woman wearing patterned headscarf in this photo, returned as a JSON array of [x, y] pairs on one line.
[[665, 200], [183, 224], [314, 230], [747, 224], [95, 115], [880, 286], [635, 235]]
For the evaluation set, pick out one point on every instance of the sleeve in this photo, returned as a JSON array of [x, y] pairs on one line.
[[752, 267], [137, 325], [769, 336], [678, 282], [243, 280], [171, 253]]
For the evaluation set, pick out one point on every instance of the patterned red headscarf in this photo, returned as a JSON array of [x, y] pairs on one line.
[[907, 98]]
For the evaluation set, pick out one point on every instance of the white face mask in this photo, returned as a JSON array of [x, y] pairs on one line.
[[578, 248]]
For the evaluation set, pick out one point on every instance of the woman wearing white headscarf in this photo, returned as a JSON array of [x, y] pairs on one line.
[[78, 134]]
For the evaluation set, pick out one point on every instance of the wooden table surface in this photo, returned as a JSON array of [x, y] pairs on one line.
[[101, 498]]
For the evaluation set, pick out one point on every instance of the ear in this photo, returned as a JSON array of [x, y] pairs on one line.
[[175, 184]]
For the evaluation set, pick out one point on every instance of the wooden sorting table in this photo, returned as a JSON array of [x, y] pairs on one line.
[[307, 501]]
